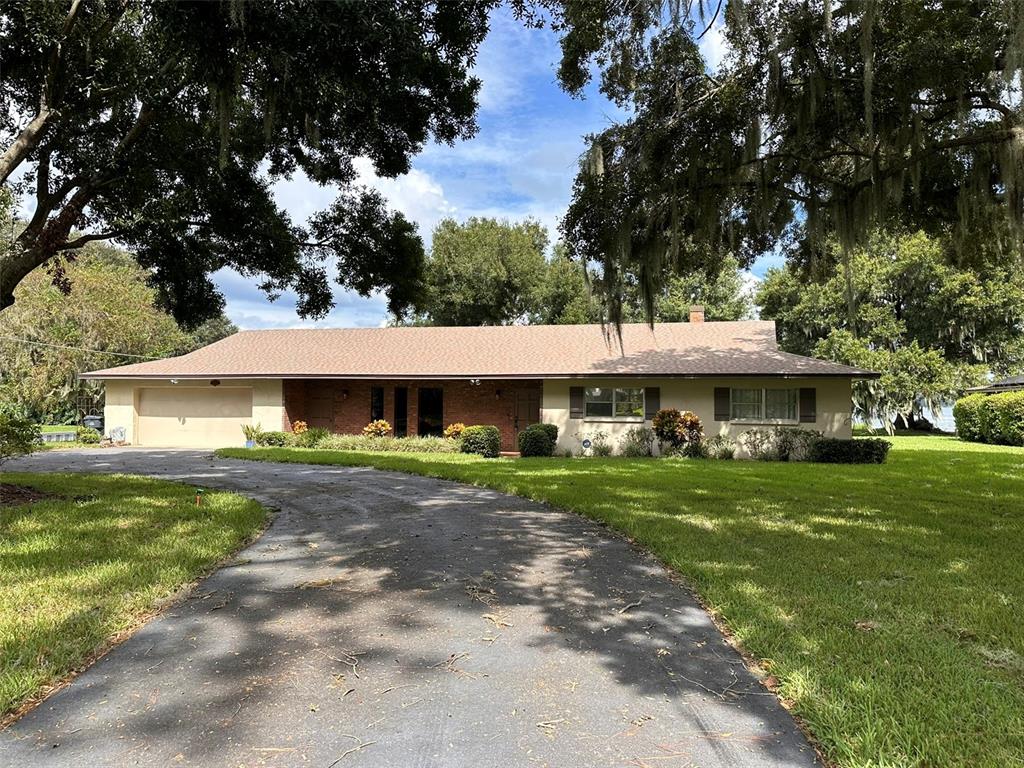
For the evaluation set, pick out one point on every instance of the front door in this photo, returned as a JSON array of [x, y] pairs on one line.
[[527, 409], [430, 412], [401, 424]]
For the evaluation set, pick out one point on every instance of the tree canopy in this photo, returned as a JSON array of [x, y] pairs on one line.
[[111, 318], [929, 325], [490, 272], [826, 120], [164, 125]]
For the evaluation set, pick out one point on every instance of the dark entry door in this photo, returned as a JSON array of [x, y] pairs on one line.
[[401, 411], [430, 411], [527, 409]]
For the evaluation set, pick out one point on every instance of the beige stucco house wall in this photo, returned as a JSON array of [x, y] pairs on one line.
[[191, 413], [833, 411]]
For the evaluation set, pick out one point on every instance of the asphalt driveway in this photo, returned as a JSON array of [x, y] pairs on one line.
[[392, 620]]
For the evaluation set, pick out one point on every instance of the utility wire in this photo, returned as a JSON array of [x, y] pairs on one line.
[[76, 349]]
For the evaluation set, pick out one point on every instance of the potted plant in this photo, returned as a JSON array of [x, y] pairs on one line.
[[252, 433]]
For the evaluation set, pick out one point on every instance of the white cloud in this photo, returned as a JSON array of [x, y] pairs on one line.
[[713, 46], [416, 194]]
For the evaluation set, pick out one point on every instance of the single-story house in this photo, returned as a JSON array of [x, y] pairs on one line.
[[1009, 384], [731, 374]]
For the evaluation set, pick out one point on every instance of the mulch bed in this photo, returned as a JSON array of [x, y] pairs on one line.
[[12, 495]]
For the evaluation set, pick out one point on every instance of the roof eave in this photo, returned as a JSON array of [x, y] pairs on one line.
[[852, 374]]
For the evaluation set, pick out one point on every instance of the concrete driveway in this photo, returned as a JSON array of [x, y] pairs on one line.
[[391, 620]]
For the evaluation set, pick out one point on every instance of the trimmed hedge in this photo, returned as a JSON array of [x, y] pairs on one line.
[[967, 415], [482, 439], [389, 444], [274, 439], [538, 440], [833, 450], [995, 419]]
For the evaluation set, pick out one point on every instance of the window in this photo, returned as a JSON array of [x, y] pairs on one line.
[[376, 403], [764, 404], [780, 404], [618, 403], [629, 403], [746, 403]]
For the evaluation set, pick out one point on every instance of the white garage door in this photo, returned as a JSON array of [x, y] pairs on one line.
[[193, 417]]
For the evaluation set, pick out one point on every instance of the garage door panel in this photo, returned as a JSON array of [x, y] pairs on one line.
[[193, 417]]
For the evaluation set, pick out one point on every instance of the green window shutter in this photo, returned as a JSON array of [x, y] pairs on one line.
[[652, 402], [808, 405], [721, 404], [576, 402]]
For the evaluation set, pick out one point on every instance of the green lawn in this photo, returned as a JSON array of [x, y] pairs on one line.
[[48, 428], [79, 569], [887, 600]]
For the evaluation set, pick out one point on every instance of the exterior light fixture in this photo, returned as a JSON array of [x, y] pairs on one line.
[[174, 381]]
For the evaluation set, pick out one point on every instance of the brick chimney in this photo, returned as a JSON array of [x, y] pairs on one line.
[[696, 314]]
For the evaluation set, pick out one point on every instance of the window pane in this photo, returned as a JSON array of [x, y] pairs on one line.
[[376, 403], [746, 404], [780, 404], [598, 409], [598, 401], [629, 402]]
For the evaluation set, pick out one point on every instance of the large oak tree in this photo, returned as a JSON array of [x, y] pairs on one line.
[[164, 125], [828, 118]]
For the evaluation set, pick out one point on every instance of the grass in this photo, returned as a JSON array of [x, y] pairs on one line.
[[887, 600], [91, 563], [49, 428]]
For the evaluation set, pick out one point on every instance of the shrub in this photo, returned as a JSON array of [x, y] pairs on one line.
[[312, 437], [274, 439], [1009, 407], [19, 436], [967, 415], [666, 426], [299, 427], [377, 428], [454, 431], [760, 444], [484, 440], [794, 444], [637, 442], [832, 450], [87, 435], [389, 444], [599, 445], [538, 440], [995, 419], [681, 430], [721, 447]]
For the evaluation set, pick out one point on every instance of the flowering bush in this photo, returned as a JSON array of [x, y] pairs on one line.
[[454, 431], [377, 428], [299, 427]]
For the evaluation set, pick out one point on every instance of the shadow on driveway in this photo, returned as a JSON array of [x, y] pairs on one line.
[[393, 620]]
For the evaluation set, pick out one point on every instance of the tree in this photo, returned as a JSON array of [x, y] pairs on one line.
[[110, 319], [928, 325], [484, 272], [214, 329], [164, 124], [564, 296], [826, 120], [723, 294]]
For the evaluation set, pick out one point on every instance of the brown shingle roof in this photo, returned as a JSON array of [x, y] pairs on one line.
[[743, 348]]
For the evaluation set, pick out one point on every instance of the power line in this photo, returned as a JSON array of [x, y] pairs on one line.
[[76, 349]]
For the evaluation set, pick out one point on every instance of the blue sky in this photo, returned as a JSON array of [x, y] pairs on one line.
[[520, 164]]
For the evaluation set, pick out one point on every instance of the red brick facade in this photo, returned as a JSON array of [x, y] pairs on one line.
[[344, 405]]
